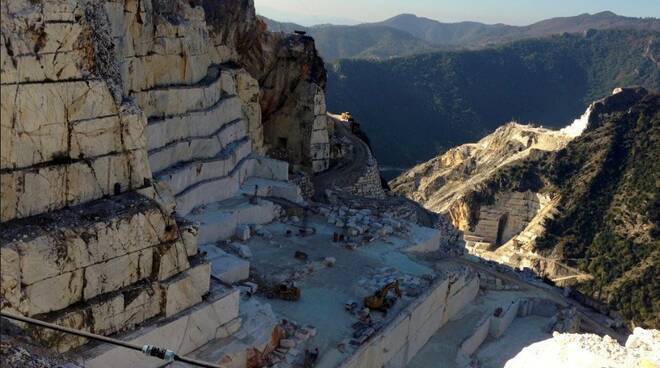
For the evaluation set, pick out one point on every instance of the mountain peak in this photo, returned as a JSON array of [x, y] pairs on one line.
[[404, 15], [605, 13]]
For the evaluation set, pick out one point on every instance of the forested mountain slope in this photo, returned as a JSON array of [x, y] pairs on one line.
[[415, 107]]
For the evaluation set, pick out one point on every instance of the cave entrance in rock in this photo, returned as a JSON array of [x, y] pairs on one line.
[[501, 225]]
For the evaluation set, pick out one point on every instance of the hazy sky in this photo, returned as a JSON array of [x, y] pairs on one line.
[[518, 12]]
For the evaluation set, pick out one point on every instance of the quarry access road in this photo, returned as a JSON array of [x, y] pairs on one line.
[[595, 322], [350, 167]]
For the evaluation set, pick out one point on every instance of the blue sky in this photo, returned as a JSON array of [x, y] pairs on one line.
[[517, 12]]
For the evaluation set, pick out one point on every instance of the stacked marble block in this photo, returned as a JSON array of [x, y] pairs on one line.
[[215, 319]]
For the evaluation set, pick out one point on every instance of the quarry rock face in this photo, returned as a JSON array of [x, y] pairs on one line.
[[80, 246], [116, 114], [476, 188], [440, 182], [353, 167]]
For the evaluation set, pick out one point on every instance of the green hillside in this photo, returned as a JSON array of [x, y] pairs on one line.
[[609, 181], [608, 219]]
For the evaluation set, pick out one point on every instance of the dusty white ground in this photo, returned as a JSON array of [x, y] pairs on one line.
[[494, 353], [642, 350]]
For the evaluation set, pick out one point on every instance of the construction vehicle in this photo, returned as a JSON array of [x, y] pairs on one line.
[[380, 301], [284, 291]]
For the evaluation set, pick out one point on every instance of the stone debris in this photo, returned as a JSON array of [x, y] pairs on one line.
[[242, 250], [360, 221], [363, 225], [243, 232], [251, 286], [410, 286], [295, 348], [14, 355]]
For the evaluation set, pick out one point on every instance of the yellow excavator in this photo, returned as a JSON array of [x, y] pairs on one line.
[[379, 301]]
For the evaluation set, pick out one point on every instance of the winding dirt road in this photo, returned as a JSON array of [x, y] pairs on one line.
[[350, 168]]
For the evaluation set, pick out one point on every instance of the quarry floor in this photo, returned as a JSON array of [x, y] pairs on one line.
[[357, 273], [325, 290]]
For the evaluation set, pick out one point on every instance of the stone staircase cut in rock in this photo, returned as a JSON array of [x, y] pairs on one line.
[[199, 146]]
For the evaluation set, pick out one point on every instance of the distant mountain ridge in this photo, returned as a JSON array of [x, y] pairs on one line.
[[365, 41], [474, 34], [408, 34]]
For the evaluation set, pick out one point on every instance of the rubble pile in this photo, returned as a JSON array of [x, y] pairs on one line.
[[295, 349], [17, 356], [363, 220], [394, 207]]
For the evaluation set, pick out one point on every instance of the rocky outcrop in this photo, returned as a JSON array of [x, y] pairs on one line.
[[487, 193], [295, 124], [291, 76]]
